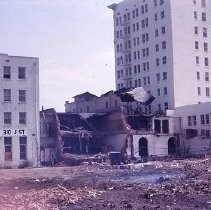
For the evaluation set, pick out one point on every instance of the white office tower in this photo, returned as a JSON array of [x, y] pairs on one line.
[[165, 47], [19, 111]]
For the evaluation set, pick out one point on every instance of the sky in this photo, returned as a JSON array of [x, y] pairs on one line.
[[73, 40]]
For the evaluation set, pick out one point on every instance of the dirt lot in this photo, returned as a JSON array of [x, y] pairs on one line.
[[181, 184]]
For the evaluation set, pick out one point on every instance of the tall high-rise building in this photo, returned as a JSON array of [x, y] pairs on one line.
[[165, 47], [19, 111]]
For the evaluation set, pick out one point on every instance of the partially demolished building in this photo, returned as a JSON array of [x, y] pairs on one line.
[[128, 128]]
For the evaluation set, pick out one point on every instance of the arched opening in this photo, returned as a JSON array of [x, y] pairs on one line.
[[143, 147], [172, 146]]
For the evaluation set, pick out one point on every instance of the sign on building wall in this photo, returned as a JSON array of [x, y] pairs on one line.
[[13, 132]]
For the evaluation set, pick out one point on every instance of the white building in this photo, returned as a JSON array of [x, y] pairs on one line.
[[196, 128], [163, 46], [19, 111]]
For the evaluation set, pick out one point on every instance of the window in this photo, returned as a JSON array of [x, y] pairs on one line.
[[161, 2], [203, 3], [196, 45], [157, 47], [166, 106], [162, 14], [189, 121], [198, 75], [159, 107], [148, 80], [22, 117], [146, 8], [194, 120], [194, 2], [195, 15], [158, 91], [8, 148], [204, 32], [207, 92], [7, 117], [147, 37], [136, 83], [205, 47], [156, 32], [23, 148], [163, 29], [207, 133], [207, 116], [165, 127], [199, 91], [164, 75], [137, 26], [143, 38], [137, 12], [202, 119], [117, 21], [7, 95], [156, 16], [204, 18], [21, 73], [134, 13], [139, 82], [197, 60], [165, 91], [203, 132], [142, 9], [163, 45], [7, 72], [164, 60], [196, 30], [145, 80], [134, 55], [207, 76], [139, 68], [157, 62], [206, 61], [22, 95], [158, 77], [155, 3]]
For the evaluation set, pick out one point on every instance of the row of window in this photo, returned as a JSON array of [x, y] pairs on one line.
[[8, 118], [206, 76], [207, 91], [203, 2], [206, 61], [146, 81], [7, 95], [204, 31], [165, 91], [158, 61], [8, 152], [205, 46], [203, 16], [204, 119], [7, 72], [145, 37]]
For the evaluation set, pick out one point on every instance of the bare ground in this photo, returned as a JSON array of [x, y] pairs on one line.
[[181, 184]]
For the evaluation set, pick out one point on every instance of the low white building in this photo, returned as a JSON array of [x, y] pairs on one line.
[[196, 128], [19, 111]]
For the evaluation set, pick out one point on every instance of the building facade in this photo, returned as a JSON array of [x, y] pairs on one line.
[[163, 46], [89, 103], [19, 112]]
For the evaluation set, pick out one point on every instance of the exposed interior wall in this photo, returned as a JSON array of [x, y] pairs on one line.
[[115, 142]]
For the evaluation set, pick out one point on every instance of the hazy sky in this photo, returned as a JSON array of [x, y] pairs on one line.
[[72, 38]]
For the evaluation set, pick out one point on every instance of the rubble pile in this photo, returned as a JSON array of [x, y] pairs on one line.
[[76, 160], [94, 187]]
